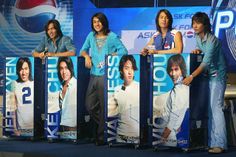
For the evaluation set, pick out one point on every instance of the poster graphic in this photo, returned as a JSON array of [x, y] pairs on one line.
[[170, 100], [123, 99], [19, 104], [62, 98]]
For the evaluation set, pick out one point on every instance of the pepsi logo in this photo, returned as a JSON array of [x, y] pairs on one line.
[[166, 46], [189, 34], [32, 15]]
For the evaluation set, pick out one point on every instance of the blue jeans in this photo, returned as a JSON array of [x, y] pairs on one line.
[[216, 123]]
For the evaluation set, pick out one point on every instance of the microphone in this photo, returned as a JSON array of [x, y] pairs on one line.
[[45, 50], [123, 88], [44, 53]]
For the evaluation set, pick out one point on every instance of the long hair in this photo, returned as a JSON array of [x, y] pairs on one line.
[[103, 19], [56, 25], [19, 65], [123, 60], [168, 14], [69, 64], [177, 60], [201, 17]]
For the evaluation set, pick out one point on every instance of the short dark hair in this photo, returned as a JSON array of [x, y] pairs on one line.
[[168, 14], [56, 25], [19, 65], [123, 60], [201, 17], [103, 19], [178, 60], [69, 64]]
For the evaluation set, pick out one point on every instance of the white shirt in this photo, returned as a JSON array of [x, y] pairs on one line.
[[169, 109], [69, 104], [128, 109], [178, 104], [24, 94]]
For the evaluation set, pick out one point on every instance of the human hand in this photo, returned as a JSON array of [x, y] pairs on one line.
[[166, 133], [151, 51], [114, 54], [188, 80], [88, 62], [179, 129], [196, 51], [17, 133], [112, 106], [40, 55], [144, 51], [50, 54]]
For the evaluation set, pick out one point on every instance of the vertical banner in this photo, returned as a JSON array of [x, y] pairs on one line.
[[1, 92], [19, 98], [62, 98], [123, 99], [170, 100]]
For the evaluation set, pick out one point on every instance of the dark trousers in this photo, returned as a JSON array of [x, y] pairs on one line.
[[95, 103]]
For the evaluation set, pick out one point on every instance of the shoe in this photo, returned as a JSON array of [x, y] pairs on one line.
[[99, 143], [216, 150]]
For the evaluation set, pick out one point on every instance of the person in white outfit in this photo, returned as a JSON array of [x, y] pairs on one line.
[[172, 113], [125, 102], [67, 94], [21, 95]]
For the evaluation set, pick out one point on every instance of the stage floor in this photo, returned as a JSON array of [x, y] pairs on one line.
[[13, 148]]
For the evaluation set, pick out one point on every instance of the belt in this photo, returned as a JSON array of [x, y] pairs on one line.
[[67, 128]]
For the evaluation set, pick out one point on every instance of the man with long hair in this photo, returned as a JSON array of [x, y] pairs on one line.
[[23, 98], [214, 63], [54, 43], [102, 42], [170, 115], [67, 94]]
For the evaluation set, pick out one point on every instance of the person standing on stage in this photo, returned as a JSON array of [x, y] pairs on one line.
[[22, 98], [166, 39], [54, 43], [101, 41], [214, 63], [125, 102]]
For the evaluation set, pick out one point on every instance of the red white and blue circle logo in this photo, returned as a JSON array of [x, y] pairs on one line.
[[32, 15], [189, 34]]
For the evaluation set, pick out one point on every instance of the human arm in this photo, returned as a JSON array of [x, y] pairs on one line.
[[166, 133], [14, 119], [196, 51], [14, 112], [12, 101], [177, 107], [112, 106], [115, 45], [149, 45], [40, 55], [84, 51], [211, 46], [60, 54], [39, 51], [187, 81], [88, 61], [69, 48]]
